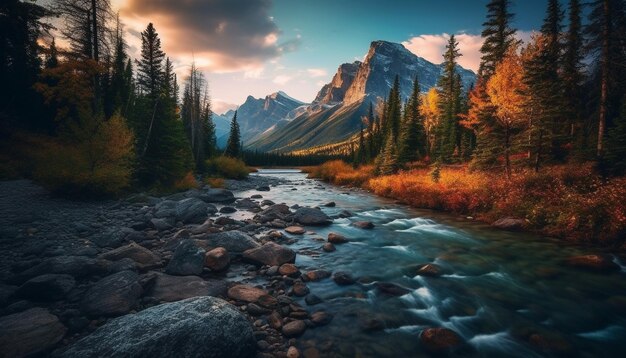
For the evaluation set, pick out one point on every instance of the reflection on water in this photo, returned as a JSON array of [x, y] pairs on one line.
[[499, 289]]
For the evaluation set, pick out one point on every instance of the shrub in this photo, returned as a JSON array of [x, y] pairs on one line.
[[230, 168], [340, 173], [185, 183], [214, 182]]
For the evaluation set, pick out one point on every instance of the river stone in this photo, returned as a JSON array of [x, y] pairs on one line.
[[188, 259], [439, 340], [391, 288], [145, 258], [195, 327], [294, 328], [366, 225], [300, 289], [246, 293], [274, 212], [263, 188], [113, 295], [218, 196], [233, 241], [317, 275], [270, 254], [310, 216], [162, 224], [247, 204], [596, 263], [193, 211], [295, 230], [510, 224], [175, 288], [431, 270], [321, 318], [76, 266], [227, 210], [289, 270], [335, 238], [30, 332], [329, 247], [217, 259], [48, 287], [343, 278]]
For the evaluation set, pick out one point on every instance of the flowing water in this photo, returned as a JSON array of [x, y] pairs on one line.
[[499, 289]]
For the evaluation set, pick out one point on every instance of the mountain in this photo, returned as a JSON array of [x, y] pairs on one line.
[[336, 113], [222, 128]]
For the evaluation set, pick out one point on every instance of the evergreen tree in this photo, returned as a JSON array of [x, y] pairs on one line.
[[413, 137], [498, 36], [119, 86], [371, 134], [150, 67], [572, 72], [233, 146], [52, 56], [393, 112], [616, 145], [387, 161], [361, 154]]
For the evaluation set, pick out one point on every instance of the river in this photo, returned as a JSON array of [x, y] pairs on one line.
[[501, 290]]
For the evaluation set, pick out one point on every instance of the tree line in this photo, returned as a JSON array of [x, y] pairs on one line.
[[112, 121], [559, 98]]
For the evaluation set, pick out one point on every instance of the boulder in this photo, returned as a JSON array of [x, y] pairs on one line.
[[391, 289], [274, 212], [217, 259], [294, 328], [175, 288], [343, 278], [267, 202], [366, 225], [510, 224], [113, 295], [440, 340], [218, 196], [144, 258], [330, 204], [270, 254], [195, 327], [300, 289], [328, 247], [193, 211], [595, 263], [256, 196], [246, 293], [165, 209], [335, 238], [6, 291], [295, 230], [289, 270], [76, 266], [312, 299], [309, 216], [247, 204], [321, 318], [227, 210], [48, 287], [31, 332], [162, 224], [188, 259], [263, 188], [317, 275], [430, 270], [233, 241]]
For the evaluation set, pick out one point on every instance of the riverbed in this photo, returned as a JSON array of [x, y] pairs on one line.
[[504, 293]]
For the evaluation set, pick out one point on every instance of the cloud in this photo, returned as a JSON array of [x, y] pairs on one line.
[[432, 47], [282, 79], [316, 72], [232, 35], [220, 107]]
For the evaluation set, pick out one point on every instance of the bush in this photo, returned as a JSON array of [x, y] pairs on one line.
[[185, 183], [214, 182], [226, 167], [340, 173]]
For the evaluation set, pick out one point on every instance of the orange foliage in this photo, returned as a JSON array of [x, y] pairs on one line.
[[340, 173], [214, 182], [185, 183]]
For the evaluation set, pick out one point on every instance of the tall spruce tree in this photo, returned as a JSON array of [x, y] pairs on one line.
[[498, 36], [150, 66], [233, 145], [413, 136], [393, 111], [573, 76], [387, 161]]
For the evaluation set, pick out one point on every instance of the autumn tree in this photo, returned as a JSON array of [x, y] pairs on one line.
[[431, 113]]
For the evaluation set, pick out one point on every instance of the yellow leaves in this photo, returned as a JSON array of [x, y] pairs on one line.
[[429, 108], [506, 87]]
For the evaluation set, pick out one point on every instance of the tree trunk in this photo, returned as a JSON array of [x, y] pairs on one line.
[[604, 63], [507, 150], [94, 31]]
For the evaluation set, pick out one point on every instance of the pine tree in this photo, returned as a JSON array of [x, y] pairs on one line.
[[150, 67], [393, 111], [52, 56], [233, 146], [387, 162], [498, 35], [413, 137], [572, 72], [616, 145], [371, 134], [448, 132], [120, 80], [361, 153]]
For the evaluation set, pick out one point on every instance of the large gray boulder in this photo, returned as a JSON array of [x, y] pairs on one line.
[[188, 259], [193, 211], [113, 295], [271, 254], [197, 327], [48, 287], [218, 196], [34, 331], [144, 258], [310, 216], [274, 212], [233, 241], [175, 288]]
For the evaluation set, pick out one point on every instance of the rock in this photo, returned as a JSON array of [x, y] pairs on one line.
[[317, 275], [312, 299], [366, 225], [263, 188], [309, 216], [247, 204], [294, 328], [392, 289], [217, 259], [321, 318], [510, 224], [256, 196], [345, 214], [113, 295], [195, 327], [193, 211], [328, 247], [227, 210], [330, 204], [48, 287], [300, 289], [267, 301], [162, 224], [34, 331], [188, 259], [293, 352], [372, 324], [256, 310], [267, 202], [6, 291], [218, 196], [430, 270], [595, 263], [439, 340], [275, 320], [270, 254], [274, 212], [76, 266], [335, 238], [175, 288], [289, 270], [145, 258], [233, 241], [245, 293], [295, 230], [343, 278]]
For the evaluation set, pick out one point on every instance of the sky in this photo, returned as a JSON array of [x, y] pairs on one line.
[[256, 47]]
